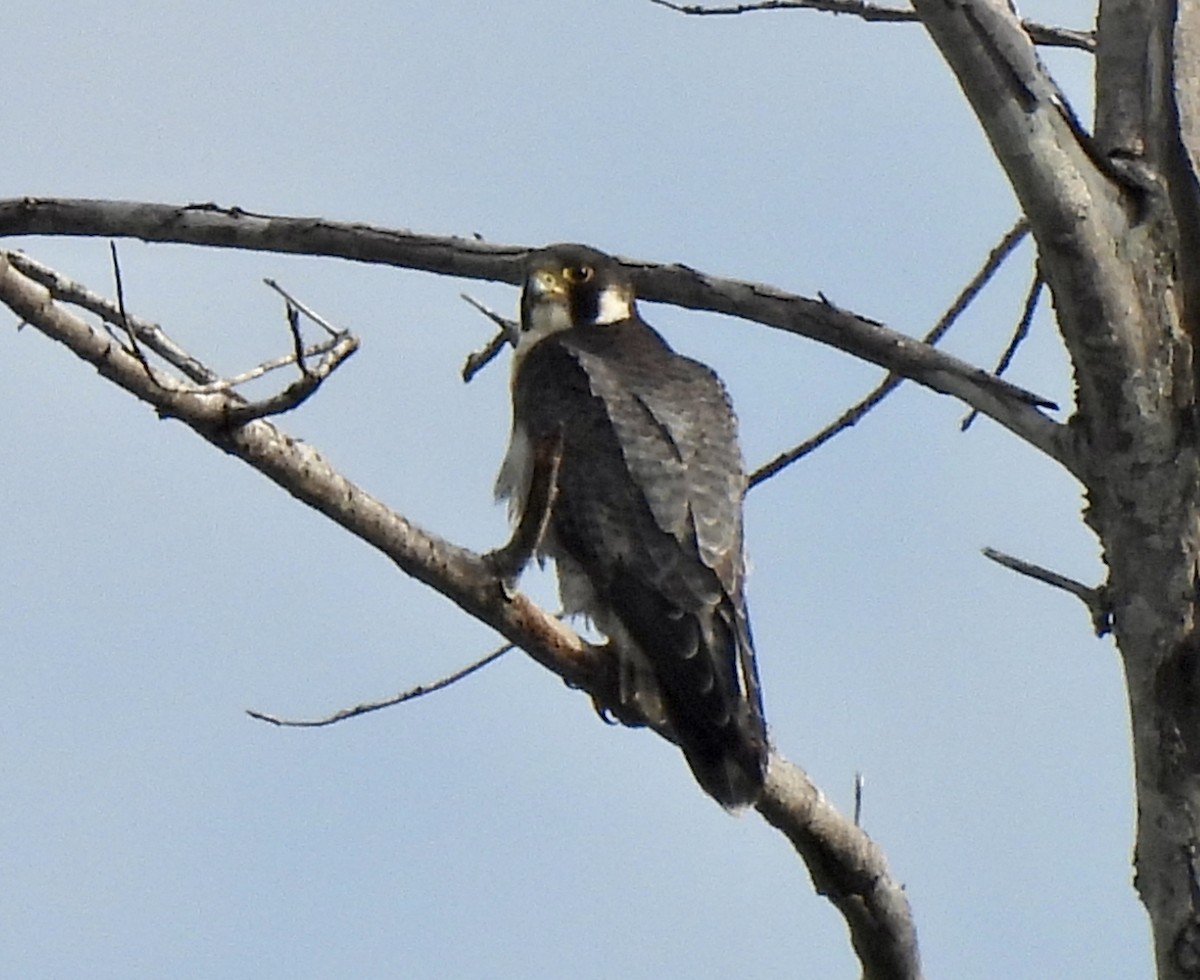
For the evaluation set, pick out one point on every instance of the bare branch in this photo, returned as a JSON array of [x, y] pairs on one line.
[[149, 334], [340, 345], [303, 472], [859, 409], [477, 360], [1096, 599], [510, 330], [134, 347], [308, 311], [1076, 198], [1011, 406], [480, 359], [300, 390], [1019, 334], [1061, 37], [844, 863], [152, 336], [848, 868], [368, 706], [324, 348]]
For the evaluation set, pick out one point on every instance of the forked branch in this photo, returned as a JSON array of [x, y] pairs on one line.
[[856, 412]]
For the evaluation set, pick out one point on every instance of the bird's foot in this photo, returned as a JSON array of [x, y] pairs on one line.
[[506, 564]]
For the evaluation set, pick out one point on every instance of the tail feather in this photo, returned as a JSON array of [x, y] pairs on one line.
[[734, 777], [702, 666]]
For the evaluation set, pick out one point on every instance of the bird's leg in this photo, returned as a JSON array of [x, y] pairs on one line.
[[510, 560]]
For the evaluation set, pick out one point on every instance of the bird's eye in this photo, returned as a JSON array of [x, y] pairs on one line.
[[578, 273]]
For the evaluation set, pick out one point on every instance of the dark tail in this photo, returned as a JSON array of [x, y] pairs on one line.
[[734, 779], [703, 665], [713, 701]]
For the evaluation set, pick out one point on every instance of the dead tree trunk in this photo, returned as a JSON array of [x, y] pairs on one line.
[[1115, 219]]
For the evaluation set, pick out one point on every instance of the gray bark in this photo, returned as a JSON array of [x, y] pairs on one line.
[[1115, 221]]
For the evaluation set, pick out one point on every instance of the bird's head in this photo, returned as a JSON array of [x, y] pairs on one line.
[[572, 286]]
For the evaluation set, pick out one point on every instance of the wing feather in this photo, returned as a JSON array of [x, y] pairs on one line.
[[648, 509]]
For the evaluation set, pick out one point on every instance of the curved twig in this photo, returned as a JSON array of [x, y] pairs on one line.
[[368, 706], [1020, 332]]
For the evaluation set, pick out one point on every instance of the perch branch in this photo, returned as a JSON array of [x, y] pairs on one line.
[[848, 868], [844, 863], [303, 472]]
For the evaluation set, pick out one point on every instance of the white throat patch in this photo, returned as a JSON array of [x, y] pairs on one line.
[[614, 306]]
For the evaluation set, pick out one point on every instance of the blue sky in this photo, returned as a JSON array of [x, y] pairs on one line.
[[151, 589]]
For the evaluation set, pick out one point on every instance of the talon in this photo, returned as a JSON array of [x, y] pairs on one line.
[[506, 566], [605, 713]]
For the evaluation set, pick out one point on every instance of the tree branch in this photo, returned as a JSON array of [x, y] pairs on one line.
[[1097, 600], [856, 412], [1079, 201], [1020, 332], [845, 865], [848, 868], [207, 224], [420, 691], [1115, 218], [1061, 37]]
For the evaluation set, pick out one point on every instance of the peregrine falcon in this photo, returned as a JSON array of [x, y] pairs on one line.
[[640, 491]]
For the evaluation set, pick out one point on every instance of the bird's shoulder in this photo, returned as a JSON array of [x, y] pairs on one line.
[[640, 352]]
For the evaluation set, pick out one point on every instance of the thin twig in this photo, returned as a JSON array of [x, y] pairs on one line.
[[134, 347], [274, 364], [151, 335], [1060, 37], [1096, 599], [148, 333], [292, 315], [891, 382], [1022, 331], [1019, 334], [300, 390], [368, 706], [340, 346], [480, 359], [308, 311], [509, 331]]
